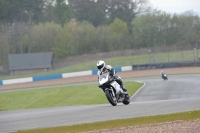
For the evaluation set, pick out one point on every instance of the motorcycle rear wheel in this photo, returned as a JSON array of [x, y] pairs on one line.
[[112, 99], [126, 100]]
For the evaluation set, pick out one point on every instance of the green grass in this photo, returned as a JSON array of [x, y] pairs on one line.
[[56, 97], [118, 62], [186, 116]]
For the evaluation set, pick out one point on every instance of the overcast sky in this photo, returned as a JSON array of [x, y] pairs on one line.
[[176, 6]]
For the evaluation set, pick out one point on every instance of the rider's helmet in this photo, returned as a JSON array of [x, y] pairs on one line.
[[100, 65], [161, 72]]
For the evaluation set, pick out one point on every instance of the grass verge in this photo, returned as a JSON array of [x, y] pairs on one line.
[[192, 115], [56, 97]]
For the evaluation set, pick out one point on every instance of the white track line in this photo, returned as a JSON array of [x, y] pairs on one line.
[[139, 88]]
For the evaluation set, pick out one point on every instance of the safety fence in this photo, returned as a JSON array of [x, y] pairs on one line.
[[58, 76], [94, 72], [164, 65]]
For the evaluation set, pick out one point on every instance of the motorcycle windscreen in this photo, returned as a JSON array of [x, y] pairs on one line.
[[103, 78]]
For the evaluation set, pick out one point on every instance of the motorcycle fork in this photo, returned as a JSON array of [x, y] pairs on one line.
[[113, 93]]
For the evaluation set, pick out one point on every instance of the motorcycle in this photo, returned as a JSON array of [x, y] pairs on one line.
[[112, 90], [164, 76]]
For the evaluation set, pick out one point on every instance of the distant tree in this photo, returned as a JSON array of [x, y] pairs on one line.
[[120, 30], [189, 26], [43, 37], [152, 29], [100, 12], [3, 47], [21, 10], [62, 12], [75, 38], [142, 28], [119, 27], [15, 33], [160, 28], [104, 41], [126, 10], [65, 42], [88, 10]]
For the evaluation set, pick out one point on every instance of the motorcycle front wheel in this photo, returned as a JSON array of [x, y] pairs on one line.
[[112, 99]]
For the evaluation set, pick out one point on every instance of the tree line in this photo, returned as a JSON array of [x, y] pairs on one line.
[[77, 27]]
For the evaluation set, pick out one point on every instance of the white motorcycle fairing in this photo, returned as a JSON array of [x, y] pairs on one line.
[[103, 78], [116, 86]]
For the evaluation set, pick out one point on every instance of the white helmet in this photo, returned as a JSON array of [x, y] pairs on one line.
[[100, 65]]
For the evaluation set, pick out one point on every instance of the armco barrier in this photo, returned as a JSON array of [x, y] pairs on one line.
[[58, 76], [75, 74], [126, 68], [119, 69], [165, 65], [49, 77], [157, 65], [15, 81], [94, 72]]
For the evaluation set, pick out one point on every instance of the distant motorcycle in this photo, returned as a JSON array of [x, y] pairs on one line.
[[112, 90], [164, 76]]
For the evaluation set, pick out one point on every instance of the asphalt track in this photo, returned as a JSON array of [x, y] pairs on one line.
[[180, 93]]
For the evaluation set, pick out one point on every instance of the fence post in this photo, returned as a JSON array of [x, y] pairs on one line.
[[198, 59], [150, 56], [168, 56], [194, 53], [183, 56]]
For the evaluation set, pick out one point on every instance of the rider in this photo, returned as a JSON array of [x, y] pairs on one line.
[[162, 73], [102, 67]]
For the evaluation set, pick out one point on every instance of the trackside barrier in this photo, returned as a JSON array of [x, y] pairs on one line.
[[119, 69], [58, 76], [15, 81], [75, 74], [126, 68], [94, 72], [165, 65], [49, 77], [157, 65]]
